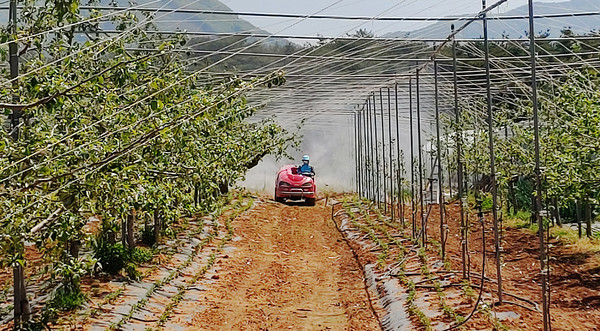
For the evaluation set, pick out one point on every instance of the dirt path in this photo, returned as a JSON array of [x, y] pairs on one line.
[[288, 269]]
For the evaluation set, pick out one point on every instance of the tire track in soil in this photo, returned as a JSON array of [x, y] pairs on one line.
[[288, 268]]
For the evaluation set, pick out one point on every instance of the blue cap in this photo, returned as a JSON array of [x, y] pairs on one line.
[[305, 158]]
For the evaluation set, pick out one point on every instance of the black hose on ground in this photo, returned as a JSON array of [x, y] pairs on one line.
[[362, 268], [468, 317]]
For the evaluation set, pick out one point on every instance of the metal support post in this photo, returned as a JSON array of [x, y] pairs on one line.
[[383, 163], [492, 155], [464, 232], [377, 161], [391, 170], [13, 51], [412, 161], [399, 162], [420, 150], [371, 144], [439, 155], [538, 180], [20, 301], [356, 162], [365, 130], [360, 154]]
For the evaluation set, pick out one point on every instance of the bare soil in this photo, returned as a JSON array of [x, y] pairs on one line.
[[440, 298], [290, 269], [574, 276], [286, 267]]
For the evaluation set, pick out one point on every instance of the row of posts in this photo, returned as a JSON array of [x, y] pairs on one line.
[[384, 184], [380, 167]]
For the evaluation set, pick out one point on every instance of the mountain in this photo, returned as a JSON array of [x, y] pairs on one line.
[[520, 28], [195, 22], [189, 22]]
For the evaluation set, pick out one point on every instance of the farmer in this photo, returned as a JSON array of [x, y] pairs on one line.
[[306, 169]]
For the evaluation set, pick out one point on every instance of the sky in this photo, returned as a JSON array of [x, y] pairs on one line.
[[397, 8]]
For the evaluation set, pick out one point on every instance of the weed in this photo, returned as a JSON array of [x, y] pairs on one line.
[[112, 257], [422, 255], [68, 296], [381, 260], [447, 265], [467, 289], [40, 323], [132, 272], [448, 311], [110, 298], [487, 203], [140, 255], [6, 310], [496, 324], [67, 299]]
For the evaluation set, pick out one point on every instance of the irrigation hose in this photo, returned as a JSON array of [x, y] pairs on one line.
[[481, 220], [362, 268]]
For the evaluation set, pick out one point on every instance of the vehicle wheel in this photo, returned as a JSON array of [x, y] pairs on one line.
[[311, 201]]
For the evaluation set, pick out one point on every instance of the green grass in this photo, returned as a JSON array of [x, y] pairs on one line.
[[564, 234], [520, 220]]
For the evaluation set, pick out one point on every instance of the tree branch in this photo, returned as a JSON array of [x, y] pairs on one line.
[[49, 98]]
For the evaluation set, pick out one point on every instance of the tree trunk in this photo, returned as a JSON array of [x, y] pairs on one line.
[[511, 196], [533, 207], [224, 188], [557, 211], [514, 197], [74, 248], [450, 179], [588, 219], [111, 237], [22, 310], [156, 225], [130, 233], [124, 233], [550, 210], [401, 201], [578, 219]]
